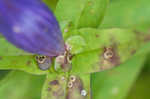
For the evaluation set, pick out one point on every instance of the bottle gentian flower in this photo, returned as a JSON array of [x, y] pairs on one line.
[[31, 26]]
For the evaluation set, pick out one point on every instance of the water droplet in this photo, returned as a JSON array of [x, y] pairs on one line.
[[83, 92], [63, 78]]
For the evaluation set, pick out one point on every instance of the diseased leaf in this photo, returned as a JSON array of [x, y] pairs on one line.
[[105, 49], [24, 63], [96, 38], [115, 83], [55, 86], [64, 86], [79, 87], [19, 85], [79, 11], [16, 59]]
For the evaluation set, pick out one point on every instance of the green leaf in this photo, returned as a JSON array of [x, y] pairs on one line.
[[104, 49], [79, 11], [127, 14], [3, 73], [141, 86], [69, 10], [16, 59], [19, 85], [115, 83], [93, 13], [10, 50], [51, 4], [64, 86]]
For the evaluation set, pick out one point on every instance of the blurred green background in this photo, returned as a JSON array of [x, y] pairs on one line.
[[131, 80]]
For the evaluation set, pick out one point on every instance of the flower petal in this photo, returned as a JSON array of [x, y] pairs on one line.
[[31, 26]]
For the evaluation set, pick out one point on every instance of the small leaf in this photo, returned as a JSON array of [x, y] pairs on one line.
[[77, 44], [93, 13], [79, 11], [69, 10]]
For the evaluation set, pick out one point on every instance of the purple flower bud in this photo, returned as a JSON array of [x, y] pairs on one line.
[[31, 26]]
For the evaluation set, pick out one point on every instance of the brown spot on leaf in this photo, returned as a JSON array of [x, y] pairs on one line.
[[28, 62], [133, 52], [49, 89], [65, 60], [56, 89], [89, 3], [59, 93], [97, 35], [110, 58], [142, 36], [0, 57], [147, 38], [74, 92], [54, 82]]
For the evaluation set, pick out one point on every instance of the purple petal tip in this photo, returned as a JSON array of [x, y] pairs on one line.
[[31, 26]]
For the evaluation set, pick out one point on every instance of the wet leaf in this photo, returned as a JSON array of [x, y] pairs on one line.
[[64, 86]]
